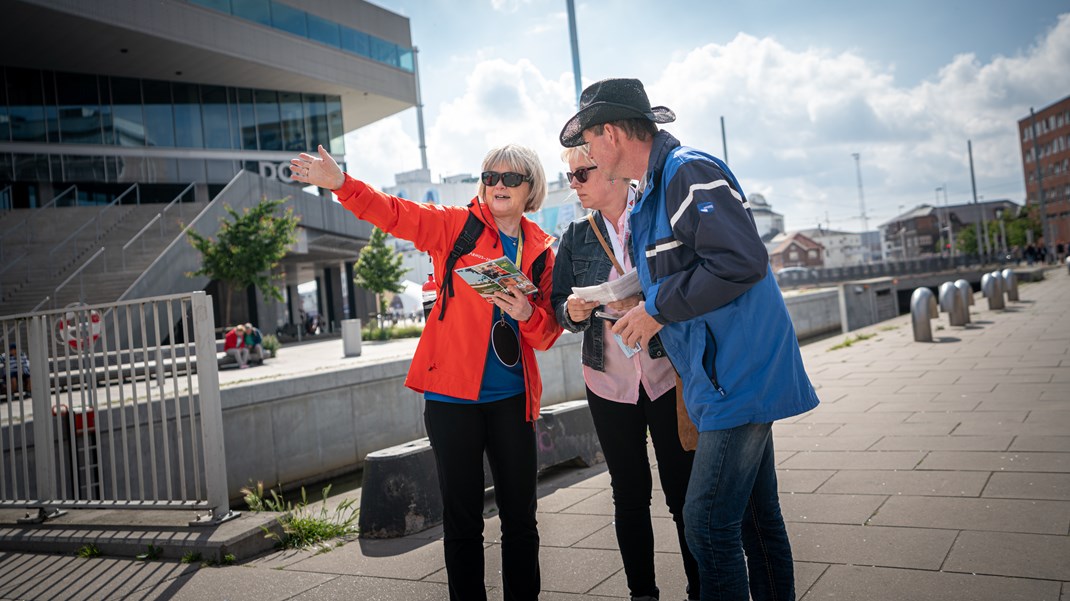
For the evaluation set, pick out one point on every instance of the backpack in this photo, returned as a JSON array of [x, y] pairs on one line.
[[466, 243]]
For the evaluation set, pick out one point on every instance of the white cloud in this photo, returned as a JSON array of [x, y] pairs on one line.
[[794, 118], [376, 152]]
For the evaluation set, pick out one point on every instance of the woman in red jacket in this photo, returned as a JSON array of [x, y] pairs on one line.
[[475, 363]]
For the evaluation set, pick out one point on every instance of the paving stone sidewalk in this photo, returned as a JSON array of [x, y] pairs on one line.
[[931, 471]]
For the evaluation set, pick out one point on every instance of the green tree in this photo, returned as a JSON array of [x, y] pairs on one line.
[[246, 250], [378, 268]]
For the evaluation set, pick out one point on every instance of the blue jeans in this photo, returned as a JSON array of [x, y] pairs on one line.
[[732, 508]]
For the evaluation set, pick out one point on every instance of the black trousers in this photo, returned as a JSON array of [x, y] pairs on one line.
[[622, 430], [459, 436]]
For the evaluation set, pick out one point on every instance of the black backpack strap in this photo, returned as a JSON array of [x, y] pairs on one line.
[[537, 268], [466, 243]]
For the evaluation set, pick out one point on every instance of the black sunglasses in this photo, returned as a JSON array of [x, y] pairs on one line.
[[511, 179], [580, 174]]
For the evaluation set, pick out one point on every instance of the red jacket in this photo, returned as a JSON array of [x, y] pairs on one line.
[[452, 352], [232, 340]]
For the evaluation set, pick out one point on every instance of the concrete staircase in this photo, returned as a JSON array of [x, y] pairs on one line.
[[38, 257]]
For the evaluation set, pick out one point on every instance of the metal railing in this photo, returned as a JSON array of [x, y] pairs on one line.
[[157, 218], [123, 412], [26, 224], [95, 221], [77, 273]]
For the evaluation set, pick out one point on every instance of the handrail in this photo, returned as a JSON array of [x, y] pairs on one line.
[[180, 195], [95, 220], [138, 235], [56, 198], [55, 293], [27, 218], [38, 305]]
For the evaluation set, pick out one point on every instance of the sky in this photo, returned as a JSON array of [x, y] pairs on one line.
[[802, 87]]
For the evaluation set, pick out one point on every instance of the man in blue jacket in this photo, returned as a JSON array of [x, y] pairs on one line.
[[710, 293]]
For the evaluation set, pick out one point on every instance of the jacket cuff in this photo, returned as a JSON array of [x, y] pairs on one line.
[[351, 188], [651, 304]]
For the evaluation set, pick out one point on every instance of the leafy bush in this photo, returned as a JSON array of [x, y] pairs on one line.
[[271, 345]]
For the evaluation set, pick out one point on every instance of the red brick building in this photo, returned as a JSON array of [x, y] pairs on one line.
[[1053, 146]]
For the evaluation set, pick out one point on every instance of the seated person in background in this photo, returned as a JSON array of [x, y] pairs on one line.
[[16, 371], [234, 345], [253, 342]]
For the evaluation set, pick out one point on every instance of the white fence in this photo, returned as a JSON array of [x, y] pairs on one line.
[[120, 409]]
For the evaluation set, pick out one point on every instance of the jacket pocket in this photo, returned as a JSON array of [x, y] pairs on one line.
[[709, 359]]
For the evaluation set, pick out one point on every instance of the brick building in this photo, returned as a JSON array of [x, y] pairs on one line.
[[1053, 146]]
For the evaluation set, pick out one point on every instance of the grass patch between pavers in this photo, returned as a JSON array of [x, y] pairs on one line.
[[305, 526], [847, 342]]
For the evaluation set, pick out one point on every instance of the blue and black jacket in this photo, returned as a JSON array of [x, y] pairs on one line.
[[706, 277]]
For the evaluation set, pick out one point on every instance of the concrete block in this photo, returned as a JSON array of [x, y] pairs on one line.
[[565, 434], [400, 493]]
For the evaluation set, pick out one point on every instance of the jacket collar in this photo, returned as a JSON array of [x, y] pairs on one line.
[[534, 237], [664, 143]]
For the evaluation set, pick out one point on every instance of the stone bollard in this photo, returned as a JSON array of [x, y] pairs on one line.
[[1010, 281], [351, 337], [992, 289], [951, 303], [922, 309], [966, 291]]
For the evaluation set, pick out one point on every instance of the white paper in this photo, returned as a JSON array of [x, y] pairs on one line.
[[619, 289]]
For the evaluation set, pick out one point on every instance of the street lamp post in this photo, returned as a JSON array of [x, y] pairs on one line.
[[942, 218], [1002, 232], [902, 234], [950, 225]]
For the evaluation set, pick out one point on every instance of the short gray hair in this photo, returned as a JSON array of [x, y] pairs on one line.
[[523, 160]]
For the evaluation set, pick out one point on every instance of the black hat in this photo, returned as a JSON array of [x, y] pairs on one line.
[[612, 100]]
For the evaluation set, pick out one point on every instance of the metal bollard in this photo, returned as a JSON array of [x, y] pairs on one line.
[[992, 289], [1068, 265], [951, 303], [966, 292], [922, 309], [1010, 280]]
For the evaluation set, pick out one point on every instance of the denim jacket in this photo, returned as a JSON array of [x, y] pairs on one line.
[[581, 261]]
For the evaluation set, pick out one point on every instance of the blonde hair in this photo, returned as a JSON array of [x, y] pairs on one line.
[[522, 160], [576, 153]]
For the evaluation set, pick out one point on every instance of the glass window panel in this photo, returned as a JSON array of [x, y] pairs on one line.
[[316, 121], [254, 10], [159, 113], [5, 125], [31, 167], [221, 172], [188, 123], [323, 31], [25, 105], [334, 125], [247, 119], [405, 59], [288, 19], [220, 5], [355, 41], [83, 168], [216, 117], [232, 116], [191, 170], [7, 175], [127, 115], [51, 111], [384, 51], [293, 121], [267, 119], [79, 108]]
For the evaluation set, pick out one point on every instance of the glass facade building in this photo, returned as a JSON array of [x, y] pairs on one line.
[[315, 28], [89, 121]]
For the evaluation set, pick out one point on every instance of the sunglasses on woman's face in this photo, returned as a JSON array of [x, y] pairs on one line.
[[511, 179], [580, 174]]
